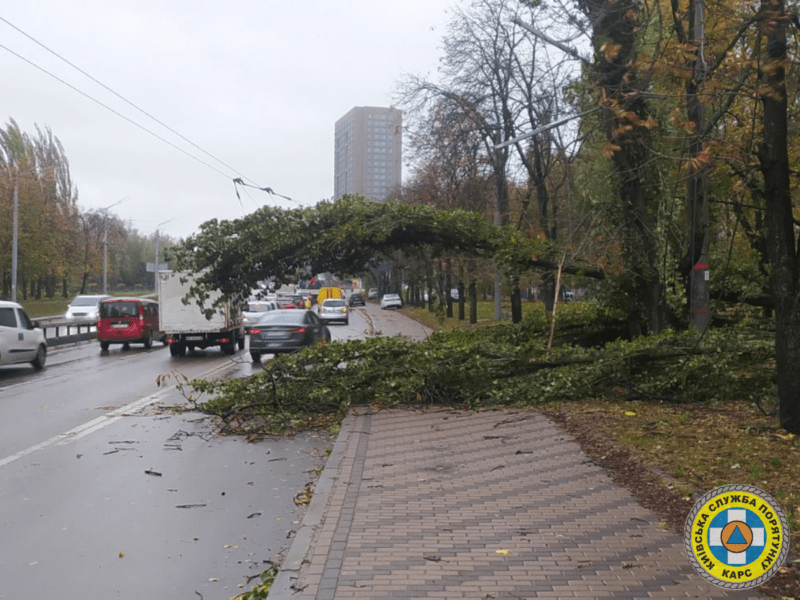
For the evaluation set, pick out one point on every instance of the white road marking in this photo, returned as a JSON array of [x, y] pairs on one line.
[[100, 422]]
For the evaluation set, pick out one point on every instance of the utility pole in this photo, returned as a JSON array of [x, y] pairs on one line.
[[105, 242], [699, 284], [15, 244], [105, 253]]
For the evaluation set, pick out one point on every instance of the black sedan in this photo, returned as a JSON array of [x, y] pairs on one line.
[[356, 299], [286, 331]]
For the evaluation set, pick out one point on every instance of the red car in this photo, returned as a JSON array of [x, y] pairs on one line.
[[128, 320]]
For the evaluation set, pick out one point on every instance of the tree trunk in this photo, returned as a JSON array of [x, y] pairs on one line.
[[516, 301], [616, 25], [693, 266], [461, 300], [448, 284], [473, 302], [781, 242], [548, 290]]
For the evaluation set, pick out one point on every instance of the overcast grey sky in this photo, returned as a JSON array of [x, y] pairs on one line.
[[258, 84]]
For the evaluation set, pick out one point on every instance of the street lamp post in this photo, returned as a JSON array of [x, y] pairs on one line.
[[105, 242], [14, 244], [15, 234]]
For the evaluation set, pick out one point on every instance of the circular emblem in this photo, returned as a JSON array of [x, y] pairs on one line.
[[736, 537]]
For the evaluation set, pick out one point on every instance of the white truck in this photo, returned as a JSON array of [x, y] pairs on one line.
[[186, 326]]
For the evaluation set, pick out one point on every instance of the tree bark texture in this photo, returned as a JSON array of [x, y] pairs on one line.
[[615, 37], [781, 242]]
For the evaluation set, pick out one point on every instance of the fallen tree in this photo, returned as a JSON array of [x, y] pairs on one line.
[[503, 365]]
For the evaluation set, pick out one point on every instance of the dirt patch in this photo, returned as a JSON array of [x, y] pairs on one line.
[[668, 456]]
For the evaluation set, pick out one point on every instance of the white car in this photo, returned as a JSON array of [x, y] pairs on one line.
[[253, 309], [391, 301], [334, 309], [21, 340], [85, 307]]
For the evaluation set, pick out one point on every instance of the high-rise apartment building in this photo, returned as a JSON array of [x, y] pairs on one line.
[[368, 152]]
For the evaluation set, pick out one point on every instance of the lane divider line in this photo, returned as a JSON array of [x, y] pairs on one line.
[[100, 422]]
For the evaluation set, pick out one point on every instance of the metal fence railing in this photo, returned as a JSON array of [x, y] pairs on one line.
[[59, 331]]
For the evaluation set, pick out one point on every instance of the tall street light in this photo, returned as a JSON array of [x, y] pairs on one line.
[[14, 245], [105, 242], [15, 232]]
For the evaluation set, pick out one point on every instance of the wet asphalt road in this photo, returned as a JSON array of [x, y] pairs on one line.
[[106, 493]]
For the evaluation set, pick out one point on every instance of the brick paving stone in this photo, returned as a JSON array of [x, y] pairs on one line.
[[490, 505]]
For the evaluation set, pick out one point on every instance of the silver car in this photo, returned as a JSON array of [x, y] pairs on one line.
[[253, 309], [334, 309], [85, 307]]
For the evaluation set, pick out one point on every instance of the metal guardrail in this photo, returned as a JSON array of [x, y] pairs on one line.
[[59, 331]]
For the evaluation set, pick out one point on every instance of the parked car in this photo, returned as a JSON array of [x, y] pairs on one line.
[[85, 307], [21, 340], [334, 309], [128, 321], [356, 299], [286, 331], [372, 294], [391, 301], [254, 308]]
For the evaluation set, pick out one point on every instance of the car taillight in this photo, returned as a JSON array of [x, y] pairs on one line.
[[299, 330], [255, 331]]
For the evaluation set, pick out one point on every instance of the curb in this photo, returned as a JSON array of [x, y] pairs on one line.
[[282, 588]]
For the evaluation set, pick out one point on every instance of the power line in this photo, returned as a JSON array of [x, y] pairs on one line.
[[238, 180], [119, 114], [104, 86]]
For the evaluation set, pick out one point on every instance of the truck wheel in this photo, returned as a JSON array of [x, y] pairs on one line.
[[148, 343], [229, 348], [104, 345], [256, 356], [240, 342], [177, 349]]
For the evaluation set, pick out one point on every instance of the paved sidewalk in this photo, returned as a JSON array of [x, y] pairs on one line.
[[493, 505]]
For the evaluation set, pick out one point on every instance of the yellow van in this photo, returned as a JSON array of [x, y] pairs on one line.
[[329, 292]]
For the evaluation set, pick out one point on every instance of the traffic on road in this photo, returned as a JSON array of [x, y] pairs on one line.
[[112, 487]]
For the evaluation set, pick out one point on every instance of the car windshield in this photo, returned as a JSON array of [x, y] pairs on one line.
[[257, 306], [118, 309], [85, 301], [391, 297], [282, 317], [333, 303]]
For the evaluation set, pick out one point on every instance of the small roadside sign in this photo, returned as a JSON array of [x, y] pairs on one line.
[[151, 267]]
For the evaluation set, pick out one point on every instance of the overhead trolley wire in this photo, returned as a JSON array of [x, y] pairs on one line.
[[119, 114], [239, 180]]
